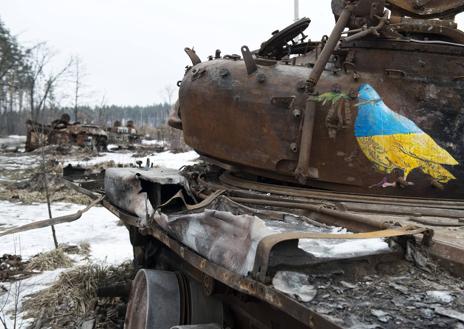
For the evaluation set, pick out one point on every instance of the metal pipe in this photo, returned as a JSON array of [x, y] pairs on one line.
[[370, 30], [317, 209], [302, 170], [329, 47], [296, 9]]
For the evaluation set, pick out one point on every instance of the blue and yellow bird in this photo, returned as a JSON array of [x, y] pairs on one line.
[[392, 141]]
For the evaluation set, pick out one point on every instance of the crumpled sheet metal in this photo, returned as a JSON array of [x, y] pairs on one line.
[[223, 231], [123, 187], [224, 238], [228, 233]]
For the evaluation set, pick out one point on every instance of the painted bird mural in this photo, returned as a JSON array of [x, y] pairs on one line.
[[392, 141]]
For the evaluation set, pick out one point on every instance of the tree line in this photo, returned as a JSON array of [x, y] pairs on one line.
[[30, 88], [150, 115]]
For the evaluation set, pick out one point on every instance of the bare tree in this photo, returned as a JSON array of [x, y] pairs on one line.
[[101, 111], [41, 85], [41, 80], [79, 74], [168, 93]]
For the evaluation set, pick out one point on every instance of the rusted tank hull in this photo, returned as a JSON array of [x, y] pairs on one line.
[[39, 135], [254, 121]]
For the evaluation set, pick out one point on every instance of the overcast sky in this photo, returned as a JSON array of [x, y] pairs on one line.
[[132, 49]]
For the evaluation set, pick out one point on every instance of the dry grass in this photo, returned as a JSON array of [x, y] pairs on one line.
[[84, 248], [50, 260], [72, 298]]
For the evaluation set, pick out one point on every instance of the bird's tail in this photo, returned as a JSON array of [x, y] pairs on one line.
[[437, 171]]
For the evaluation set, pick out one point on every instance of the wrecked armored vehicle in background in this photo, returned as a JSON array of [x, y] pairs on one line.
[[62, 132], [123, 135], [330, 190]]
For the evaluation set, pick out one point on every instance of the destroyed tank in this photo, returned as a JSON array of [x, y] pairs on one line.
[[376, 108], [329, 190]]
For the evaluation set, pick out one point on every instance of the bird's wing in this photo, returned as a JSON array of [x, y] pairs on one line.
[[376, 152], [423, 147]]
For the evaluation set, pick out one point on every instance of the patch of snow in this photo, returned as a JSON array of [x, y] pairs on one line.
[[20, 137], [164, 159], [381, 315], [294, 284], [11, 300], [19, 161], [112, 147], [443, 297], [343, 248], [153, 142], [13, 140], [109, 241], [329, 248]]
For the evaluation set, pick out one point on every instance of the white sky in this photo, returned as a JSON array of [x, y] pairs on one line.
[[132, 49]]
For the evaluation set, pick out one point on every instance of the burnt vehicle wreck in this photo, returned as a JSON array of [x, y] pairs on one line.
[[62, 132], [330, 188], [303, 118]]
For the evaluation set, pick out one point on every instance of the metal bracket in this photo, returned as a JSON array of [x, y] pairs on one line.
[[249, 60], [193, 56]]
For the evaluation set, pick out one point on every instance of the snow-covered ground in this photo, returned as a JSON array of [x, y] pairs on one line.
[[20, 289], [163, 159], [98, 226], [153, 142], [109, 241], [18, 161], [21, 161], [12, 140]]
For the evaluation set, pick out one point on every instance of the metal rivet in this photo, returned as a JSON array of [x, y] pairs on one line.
[[294, 147]]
